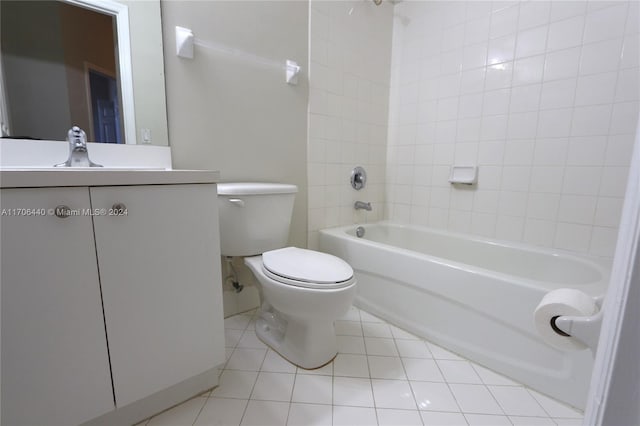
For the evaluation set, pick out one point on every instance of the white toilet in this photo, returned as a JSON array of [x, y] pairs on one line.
[[303, 291]]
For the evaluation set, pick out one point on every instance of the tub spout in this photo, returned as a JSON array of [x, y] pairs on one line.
[[362, 205]]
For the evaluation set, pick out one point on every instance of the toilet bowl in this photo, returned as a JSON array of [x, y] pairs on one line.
[[302, 291], [301, 302]]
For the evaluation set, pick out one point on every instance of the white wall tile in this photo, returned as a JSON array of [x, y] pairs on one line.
[[525, 98], [539, 232], [619, 150], [466, 153], [566, 33], [532, 42], [624, 118], [491, 177], [546, 179], [519, 153], [528, 70], [522, 125], [477, 30], [479, 9], [551, 152], [493, 127], [633, 18], [516, 178], [601, 57], [603, 241], [587, 151], [474, 56], [491, 152], [581, 180], [554, 123], [543, 206], [468, 129], [504, 21], [510, 228], [496, 102], [486, 201], [447, 109], [608, 211], [501, 49], [628, 86], [567, 9], [512, 203], [614, 181], [591, 120], [452, 38], [542, 95], [571, 236], [558, 94], [472, 81], [596, 89], [605, 23], [565, 63], [577, 209], [483, 224], [534, 13], [451, 62], [470, 105], [498, 76]]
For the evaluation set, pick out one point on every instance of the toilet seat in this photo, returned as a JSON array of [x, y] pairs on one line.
[[307, 268]]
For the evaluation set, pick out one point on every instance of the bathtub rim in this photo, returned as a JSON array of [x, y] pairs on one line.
[[595, 289]]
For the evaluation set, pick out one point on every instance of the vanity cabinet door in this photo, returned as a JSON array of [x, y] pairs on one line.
[[160, 275], [55, 366]]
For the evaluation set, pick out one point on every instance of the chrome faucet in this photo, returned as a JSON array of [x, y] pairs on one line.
[[78, 154], [362, 205]]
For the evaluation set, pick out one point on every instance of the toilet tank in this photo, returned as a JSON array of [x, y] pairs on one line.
[[254, 217]]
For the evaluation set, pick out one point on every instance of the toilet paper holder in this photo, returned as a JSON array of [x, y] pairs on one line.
[[584, 329]]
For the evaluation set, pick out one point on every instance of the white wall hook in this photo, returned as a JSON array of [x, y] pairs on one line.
[[184, 42], [292, 71]]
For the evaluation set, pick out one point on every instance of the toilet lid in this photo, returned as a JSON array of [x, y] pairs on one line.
[[307, 266]]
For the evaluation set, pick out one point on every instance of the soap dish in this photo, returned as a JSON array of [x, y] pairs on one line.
[[467, 175]]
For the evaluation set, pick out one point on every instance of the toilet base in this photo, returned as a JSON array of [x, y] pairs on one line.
[[308, 345]]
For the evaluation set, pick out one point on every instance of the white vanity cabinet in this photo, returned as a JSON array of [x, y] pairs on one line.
[[106, 308], [55, 365], [159, 272]]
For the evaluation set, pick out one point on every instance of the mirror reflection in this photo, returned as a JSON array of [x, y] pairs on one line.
[[61, 67]]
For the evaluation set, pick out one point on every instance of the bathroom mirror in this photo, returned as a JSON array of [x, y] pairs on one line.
[[97, 64]]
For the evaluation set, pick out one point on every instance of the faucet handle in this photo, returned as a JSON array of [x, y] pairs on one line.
[[77, 136], [78, 154]]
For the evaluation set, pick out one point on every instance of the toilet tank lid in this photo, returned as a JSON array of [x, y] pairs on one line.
[[255, 188]]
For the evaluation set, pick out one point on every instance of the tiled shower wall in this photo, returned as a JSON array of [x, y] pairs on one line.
[[349, 75], [542, 96]]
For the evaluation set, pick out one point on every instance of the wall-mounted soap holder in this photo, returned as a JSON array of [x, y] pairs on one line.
[[466, 175]]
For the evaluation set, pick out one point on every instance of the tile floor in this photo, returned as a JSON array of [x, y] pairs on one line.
[[381, 376]]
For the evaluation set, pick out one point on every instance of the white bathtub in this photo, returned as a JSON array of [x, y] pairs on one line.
[[472, 295]]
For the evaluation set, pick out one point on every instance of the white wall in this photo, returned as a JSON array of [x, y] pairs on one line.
[[229, 109], [148, 69], [543, 96], [350, 59]]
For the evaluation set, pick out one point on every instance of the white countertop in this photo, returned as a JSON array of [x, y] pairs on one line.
[[99, 176]]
